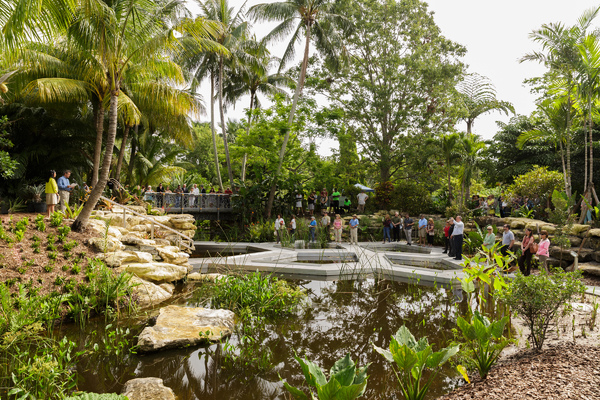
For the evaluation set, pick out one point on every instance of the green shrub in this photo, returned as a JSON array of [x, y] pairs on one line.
[[345, 380], [56, 218], [412, 357], [538, 299]]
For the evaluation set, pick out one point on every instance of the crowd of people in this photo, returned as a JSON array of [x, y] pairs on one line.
[[333, 203], [501, 206]]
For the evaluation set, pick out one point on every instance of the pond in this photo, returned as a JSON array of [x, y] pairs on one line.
[[339, 317]]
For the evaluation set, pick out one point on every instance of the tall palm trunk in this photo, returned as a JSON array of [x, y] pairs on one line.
[[568, 144], [122, 153], [290, 121], [245, 160], [212, 127], [449, 183], [99, 125], [227, 159], [132, 155], [97, 190]]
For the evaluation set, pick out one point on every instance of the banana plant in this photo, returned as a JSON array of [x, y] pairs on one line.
[[486, 340], [346, 381], [412, 357]]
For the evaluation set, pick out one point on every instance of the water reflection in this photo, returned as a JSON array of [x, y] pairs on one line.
[[342, 317]]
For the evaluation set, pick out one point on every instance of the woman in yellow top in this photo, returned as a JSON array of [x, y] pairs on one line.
[[51, 193]]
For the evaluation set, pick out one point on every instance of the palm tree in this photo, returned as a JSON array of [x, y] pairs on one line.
[[478, 96], [560, 54], [554, 113], [472, 147], [254, 78], [122, 33], [448, 144], [318, 20]]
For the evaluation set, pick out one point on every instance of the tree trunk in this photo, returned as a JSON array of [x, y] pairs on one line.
[[97, 190], [122, 153], [227, 158], [449, 184], [132, 155], [568, 144], [212, 127], [591, 159], [290, 121], [245, 160], [99, 125]]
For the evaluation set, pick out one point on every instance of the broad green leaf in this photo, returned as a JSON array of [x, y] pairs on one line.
[[466, 328], [497, 328], [329, 390], [313, 374], [440, 357], [482, 318], [341, 364], [467, 286], [296, 393], [351, 392], [403, 336], [463, 372], [481, 331], [404, 357], [346, 376], [385, 353], [361, 375]]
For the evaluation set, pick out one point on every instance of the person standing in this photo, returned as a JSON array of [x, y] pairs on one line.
[[194, 192], [490, 239], [51, 193], [354, 230], [293, 227], [450, 232], [202, 189], [279, 227], [387, 227], [337, 229], [347, 204], [362, 200], [525, 259], [323, 199], [459, 228], [408, 225], [508, 240], [64, 190], [299, 198], [422, 230], [446, 237], [396, 222], [335, 203], [430, 230], [311, 202], [312, 227], [543, 250], [325, 221]]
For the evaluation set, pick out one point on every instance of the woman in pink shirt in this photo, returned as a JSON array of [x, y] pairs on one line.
[[543, 248], [337, 228]]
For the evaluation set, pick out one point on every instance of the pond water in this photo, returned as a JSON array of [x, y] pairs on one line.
[[340, 317]]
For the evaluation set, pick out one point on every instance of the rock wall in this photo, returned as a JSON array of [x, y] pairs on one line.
[[154, 263]]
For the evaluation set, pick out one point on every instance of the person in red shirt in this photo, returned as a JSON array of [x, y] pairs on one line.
[[447, 237]]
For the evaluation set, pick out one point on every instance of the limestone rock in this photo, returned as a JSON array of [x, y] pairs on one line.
[[149, 294], [109, 244], [551, 229], [517, 225], [197, 276], [147, 389], [185, 326], [592, 268], [132, 238], [578, 228], [594, 232], [169, 287], [155, 271], [118, 258], [163, 219], [162, 242], [172, 255], [141, 228]]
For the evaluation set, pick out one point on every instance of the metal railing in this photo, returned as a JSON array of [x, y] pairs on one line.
[[183, 240], [187, 202]]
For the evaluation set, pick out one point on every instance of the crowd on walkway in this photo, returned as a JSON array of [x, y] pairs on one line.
[[324, 202]]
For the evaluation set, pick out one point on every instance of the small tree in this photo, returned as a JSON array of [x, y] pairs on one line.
[[538, 299], [563, 219], [538, 182]]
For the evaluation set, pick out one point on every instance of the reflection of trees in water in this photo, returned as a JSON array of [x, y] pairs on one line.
[[344, 317]]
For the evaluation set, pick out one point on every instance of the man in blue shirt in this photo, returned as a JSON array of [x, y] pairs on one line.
[[354, 230], [64, 190]]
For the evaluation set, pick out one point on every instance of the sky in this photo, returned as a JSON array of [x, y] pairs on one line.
[[495, 34]]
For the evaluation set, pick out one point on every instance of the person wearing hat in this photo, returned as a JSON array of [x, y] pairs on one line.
[[312, 227], [353, 224], [490, 239]]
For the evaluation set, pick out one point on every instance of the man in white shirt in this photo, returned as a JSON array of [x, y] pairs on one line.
[[279, 227], [362, 199], [195, 191], [457, 235]]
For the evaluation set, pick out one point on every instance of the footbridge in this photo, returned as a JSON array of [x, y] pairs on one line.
[[205, 206]]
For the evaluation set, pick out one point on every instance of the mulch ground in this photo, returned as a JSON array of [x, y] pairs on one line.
[[563, 371], [20, 264]]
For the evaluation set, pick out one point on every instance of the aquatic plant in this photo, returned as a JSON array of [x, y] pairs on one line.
[[412, 357], [346, 381]]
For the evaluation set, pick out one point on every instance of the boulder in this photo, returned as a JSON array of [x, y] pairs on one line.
[[162, 219], [185, 326], [197, 276], [118, 258], [156, 271], [108, 244], [169, 287], [132, 238], [576, 229], [162, 242], [592, 268], [517, 224], [184, 226], [141, 228], [594, 232], [148, 294], [551, 229], [172, 256], [147, 389]]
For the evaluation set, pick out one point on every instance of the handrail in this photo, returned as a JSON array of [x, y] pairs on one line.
[[144, 216], [189, 202]]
